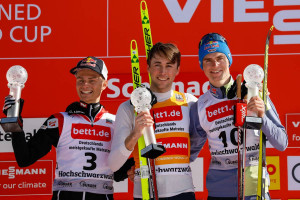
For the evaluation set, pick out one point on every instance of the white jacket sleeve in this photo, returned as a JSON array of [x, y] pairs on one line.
[[123, 127]]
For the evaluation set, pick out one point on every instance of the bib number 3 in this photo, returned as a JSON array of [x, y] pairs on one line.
[[91, 160]]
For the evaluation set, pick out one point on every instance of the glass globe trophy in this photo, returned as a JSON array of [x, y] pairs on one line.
[[141, 100], [253, 75], [16, 77]]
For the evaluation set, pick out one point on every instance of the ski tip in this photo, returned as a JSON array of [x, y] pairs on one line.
[[133, 44], [143, 5]]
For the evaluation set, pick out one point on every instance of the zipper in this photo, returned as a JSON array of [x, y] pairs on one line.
[[91, 117]]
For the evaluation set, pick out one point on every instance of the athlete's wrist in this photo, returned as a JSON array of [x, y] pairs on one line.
[[131, 140]]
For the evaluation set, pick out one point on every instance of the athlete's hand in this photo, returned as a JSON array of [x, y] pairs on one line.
[[142, 120], [257, 105], [125, 171], [130, 173], [9, 102]]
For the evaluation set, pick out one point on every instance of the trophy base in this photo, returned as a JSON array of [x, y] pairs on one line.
[[253, 122], [152, 151], [11, 124]]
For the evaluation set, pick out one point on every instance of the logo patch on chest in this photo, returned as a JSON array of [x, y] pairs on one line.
[[170, 113], [88, 132], [220, 110]]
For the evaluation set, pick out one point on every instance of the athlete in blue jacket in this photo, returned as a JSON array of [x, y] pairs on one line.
[[212, 119]]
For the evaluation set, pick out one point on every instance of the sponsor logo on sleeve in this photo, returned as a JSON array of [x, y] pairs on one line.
[[52, 123]]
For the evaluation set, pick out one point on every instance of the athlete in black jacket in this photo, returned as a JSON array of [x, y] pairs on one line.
[[82, 137]]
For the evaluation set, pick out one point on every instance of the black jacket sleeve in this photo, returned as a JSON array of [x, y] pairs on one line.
[[121, 174], [27, 153]]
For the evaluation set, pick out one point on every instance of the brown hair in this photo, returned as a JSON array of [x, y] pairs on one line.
[[168, 50]]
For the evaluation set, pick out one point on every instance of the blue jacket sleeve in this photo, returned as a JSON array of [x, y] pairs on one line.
[[197, 134], [273, 129]]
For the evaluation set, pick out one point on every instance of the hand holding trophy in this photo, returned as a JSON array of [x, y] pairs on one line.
[[253, 75], [141, 99], [16, 77]]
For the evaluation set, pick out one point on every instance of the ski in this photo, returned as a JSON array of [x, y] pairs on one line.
[[262, 139], [148, 45], [146, 29], [241, 134], [136, 79]]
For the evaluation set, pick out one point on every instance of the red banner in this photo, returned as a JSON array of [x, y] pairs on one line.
[[48, 38], [33, 180]]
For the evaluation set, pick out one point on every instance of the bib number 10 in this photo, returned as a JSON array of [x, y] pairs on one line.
[[233, 137]]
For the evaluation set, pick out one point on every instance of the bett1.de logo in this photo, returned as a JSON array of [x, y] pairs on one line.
[[85, 131]]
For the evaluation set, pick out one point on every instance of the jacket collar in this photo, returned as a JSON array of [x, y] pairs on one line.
[[221, 92]]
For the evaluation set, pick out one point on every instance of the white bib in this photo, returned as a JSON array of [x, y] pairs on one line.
[[222, 134], [82, 152]]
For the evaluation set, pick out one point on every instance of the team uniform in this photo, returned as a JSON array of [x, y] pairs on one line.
[[212, 119], [171, 116], [82, 136]]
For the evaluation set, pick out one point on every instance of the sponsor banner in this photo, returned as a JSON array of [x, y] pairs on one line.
[[43, 26], [293, 129], [36, 28], [293, 172], [274, 172], [31, 126], [33, 180], [120, 85], [32, 31]]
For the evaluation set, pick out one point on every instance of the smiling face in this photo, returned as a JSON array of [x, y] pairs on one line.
[[163, 73], [216, 69], [89, 85]]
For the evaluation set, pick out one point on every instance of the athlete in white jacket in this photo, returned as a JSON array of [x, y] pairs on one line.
[[171, 116]]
